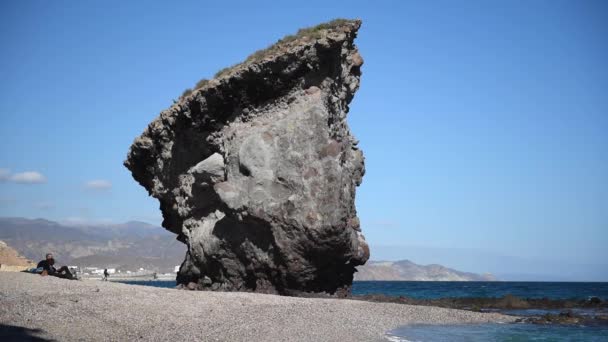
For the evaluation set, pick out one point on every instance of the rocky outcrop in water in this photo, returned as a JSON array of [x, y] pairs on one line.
[[256, 170]]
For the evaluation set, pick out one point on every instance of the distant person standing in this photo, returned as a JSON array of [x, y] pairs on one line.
[[47, 267], [105, 274]]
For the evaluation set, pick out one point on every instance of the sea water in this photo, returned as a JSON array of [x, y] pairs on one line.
[[483, 289], [479, 332], [497, 332], [493, 332], [452, 289]]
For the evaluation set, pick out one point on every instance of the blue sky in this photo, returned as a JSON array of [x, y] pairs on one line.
[[484, 123]]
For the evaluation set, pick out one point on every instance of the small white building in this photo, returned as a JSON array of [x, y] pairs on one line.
[[100, 271], [176, 269]]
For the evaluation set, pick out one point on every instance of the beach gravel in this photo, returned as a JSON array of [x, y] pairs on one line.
[[46, 308]]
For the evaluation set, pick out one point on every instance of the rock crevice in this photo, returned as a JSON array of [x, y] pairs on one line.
[[256, 171]]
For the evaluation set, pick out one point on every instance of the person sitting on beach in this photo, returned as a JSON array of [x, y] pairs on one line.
[[47, 268]]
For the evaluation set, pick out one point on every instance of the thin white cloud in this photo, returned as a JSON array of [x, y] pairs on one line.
[[98, 184], [28, 177]]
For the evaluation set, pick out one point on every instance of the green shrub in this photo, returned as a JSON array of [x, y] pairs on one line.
[[201, 83], [314, 32], [187, 92], [223, 71]]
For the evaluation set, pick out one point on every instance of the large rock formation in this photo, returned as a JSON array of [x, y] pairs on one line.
[[256, 169]]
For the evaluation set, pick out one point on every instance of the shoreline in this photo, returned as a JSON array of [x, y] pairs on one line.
[[477, 304], [93, 310], [592, 311]]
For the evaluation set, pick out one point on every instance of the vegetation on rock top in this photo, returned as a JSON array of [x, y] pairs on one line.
[[304, 34]]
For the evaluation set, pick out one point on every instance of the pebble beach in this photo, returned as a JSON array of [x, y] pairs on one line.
[[39, 308]]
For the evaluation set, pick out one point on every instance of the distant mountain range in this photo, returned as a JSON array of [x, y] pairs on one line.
[[407, 270], [132, 245], [127, 246]]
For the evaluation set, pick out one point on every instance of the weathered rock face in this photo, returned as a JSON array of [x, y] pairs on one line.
[[256, 171]]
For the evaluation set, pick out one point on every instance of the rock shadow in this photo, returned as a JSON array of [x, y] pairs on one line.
[[13, 333]]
